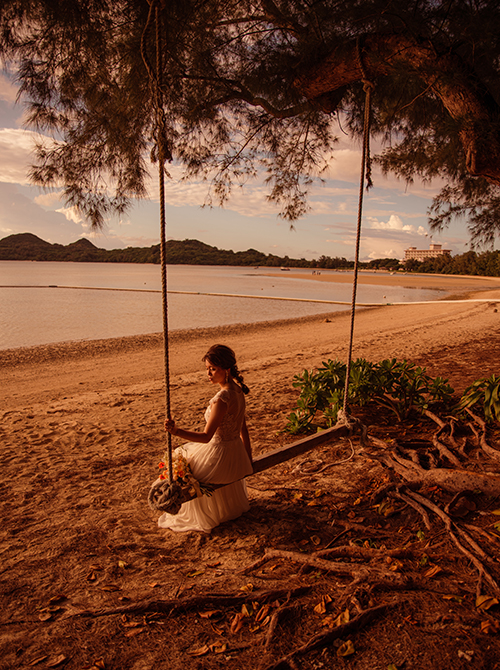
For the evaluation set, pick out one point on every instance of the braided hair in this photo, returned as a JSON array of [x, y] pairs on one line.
[[225, 358]]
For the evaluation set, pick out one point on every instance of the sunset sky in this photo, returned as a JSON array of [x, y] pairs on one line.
[[394, 215]]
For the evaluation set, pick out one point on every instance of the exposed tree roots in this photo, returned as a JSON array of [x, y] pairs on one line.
[[204, 601], [433, 486], [423, 469], [325, 639]]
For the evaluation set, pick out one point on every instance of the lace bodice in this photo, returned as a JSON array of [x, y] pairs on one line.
[[232, 421]]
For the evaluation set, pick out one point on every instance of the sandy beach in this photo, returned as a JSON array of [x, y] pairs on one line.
[[81, 435], [384, 278]]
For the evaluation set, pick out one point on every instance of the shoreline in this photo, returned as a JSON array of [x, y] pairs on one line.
[[456, 286], [410, 280], [68, 349], [44, 373], [72, 349]]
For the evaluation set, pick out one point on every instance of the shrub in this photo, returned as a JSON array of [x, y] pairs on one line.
[[398, 385]]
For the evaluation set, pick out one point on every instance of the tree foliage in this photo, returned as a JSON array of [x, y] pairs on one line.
[[485, 264], [252, 85]]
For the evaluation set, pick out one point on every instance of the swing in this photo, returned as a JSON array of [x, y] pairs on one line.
[[168, 495]]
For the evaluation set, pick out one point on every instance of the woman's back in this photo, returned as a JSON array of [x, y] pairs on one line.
[[232, 421]]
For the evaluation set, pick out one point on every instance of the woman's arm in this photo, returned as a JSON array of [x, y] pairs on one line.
[[246, 440], [217, 412]]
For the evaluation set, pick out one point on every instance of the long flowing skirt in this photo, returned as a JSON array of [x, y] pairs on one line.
[[217, 463]]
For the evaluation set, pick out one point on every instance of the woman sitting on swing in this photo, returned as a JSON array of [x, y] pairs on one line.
[[220, 454]]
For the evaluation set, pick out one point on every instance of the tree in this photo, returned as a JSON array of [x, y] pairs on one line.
[[247, 85]]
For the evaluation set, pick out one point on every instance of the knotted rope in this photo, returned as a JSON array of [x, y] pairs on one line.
[[365, 175], [165, 495]]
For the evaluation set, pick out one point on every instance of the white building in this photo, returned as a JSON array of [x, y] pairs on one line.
[[421, 254]]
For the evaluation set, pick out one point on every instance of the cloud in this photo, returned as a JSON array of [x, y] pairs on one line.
[[20, 214], [249, 200], [71, 213], [8, 91], [384, 253], [16, 147], [48, 199], [394, 223], [382, 247], [344, 164]]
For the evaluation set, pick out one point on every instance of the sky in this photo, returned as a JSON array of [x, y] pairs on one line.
[[394, 213]]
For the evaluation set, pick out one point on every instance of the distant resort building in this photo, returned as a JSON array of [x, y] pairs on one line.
[[421, 254]]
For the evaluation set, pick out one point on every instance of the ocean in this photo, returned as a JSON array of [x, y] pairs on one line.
[[49, 302]]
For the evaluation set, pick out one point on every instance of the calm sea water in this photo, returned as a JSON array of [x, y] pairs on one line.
[[42, 303]]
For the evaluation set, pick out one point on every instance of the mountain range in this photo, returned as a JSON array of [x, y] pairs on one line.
[[29, 247]]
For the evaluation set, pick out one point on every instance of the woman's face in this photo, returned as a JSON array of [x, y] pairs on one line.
[[216, 375]]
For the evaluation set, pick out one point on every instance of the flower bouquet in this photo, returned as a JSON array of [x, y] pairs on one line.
[[168, 497]]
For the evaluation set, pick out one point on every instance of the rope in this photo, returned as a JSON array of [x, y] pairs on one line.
[[365, 174], [169, 496], [157, 82]]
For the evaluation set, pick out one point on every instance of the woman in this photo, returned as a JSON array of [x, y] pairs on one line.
[[221, 453]]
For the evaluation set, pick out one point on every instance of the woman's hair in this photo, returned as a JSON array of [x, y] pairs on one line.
[[225, 358]]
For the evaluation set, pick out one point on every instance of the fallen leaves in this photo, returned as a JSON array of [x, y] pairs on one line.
[[346, 649], [320, 608], [195, 573], [37, 660], [490, 627], [237, 622], [209, 615], [109, 587], [432, 571], [335, 622], [47, 613], [485, 602], [98, 664], [215, 648]]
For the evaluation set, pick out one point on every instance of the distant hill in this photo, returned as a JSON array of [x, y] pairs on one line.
[[29, 247]]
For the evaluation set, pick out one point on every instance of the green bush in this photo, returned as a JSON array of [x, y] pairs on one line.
[[399, 386], [484, 392]]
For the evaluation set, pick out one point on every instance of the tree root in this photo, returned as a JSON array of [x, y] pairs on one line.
[[366, 553], [359, 573], [483, 573], [324, 639], [458, 481], [209, 601], [454, 481], [413, 503], [487, 448], [480, 531], [446, 453], [282, 613]]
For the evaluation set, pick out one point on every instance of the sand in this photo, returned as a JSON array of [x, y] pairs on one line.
[[81, 435], [383, 278]]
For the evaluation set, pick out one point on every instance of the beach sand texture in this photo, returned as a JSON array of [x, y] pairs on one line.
[[81, 436]]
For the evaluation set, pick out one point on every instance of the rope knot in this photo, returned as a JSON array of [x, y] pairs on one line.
[[167, 497]]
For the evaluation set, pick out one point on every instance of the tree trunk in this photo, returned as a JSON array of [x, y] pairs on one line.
[[471, 106]]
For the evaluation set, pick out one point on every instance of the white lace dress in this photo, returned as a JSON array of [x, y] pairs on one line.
[[222, 460]]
